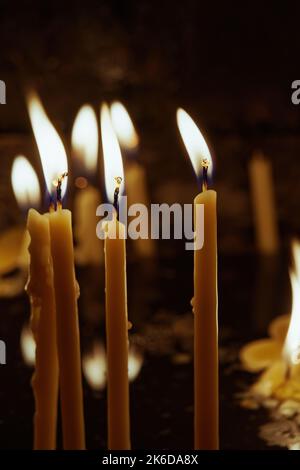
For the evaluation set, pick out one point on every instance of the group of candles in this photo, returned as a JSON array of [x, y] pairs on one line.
[[52, 286], [53, 289]]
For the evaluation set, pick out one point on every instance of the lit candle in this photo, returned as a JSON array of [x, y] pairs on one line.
[[40, 289], [14, 242], [89, 248], [205, 295], [41, 294], [115, 296], [66, 291], [263, 201], [136, 183]]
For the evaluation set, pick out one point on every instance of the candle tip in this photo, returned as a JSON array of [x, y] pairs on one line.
[[118, 180], [58, 184], [205, 165]]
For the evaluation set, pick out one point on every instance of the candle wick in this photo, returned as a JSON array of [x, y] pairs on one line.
[[205, 165], [118, 181], [58, 184]]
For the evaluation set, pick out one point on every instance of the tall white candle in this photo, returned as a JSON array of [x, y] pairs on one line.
[[55, 165]]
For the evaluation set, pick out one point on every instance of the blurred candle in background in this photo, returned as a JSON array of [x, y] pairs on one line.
[[136, 182], [115, 296], [26, 188], [66, 289], [25, 183], [27, 191], [263, 202], [85, 139], [205, 301], [14, 256]]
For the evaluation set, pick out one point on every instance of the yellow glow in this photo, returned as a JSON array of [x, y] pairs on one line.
[[94, 367], [25, 183], [113, 165], [292, 342], [51, 149], [194, 141], [85, 138], [135, 363], [81, 182], [123, 126], [28, 346]]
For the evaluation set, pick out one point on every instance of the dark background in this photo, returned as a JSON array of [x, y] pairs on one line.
[[230, 65]]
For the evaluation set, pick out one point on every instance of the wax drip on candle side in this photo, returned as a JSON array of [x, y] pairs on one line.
[[118, 181], [58, 184], [205, 165]]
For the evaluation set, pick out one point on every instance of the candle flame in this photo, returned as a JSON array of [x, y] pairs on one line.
[[94, 367], [51, 149], [25, 183], [194, 142], [123, 126], [291, 348], [135, 363], [85, 138], [113, 165], [28, 346]]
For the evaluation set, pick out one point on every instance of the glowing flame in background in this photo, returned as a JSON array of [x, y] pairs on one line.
[[94, 366], [25, 183], [85, 138], [135, 362], [123, 126], [291, 348], [51, 149], [28, 346], [194, 142], [113, 165]]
